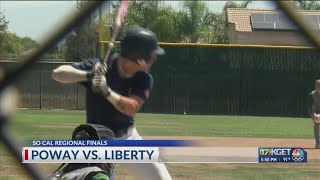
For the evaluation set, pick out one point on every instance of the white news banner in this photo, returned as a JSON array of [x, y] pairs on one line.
[[140, 154], [90, 154], [209, 155]]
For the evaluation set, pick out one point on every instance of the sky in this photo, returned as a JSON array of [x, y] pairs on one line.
[[36, 18]]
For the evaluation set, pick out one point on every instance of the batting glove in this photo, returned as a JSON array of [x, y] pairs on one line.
[[99, 69], [99, 85]]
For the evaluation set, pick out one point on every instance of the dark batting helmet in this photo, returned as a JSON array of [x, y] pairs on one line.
[[139, 43], [86, 132], [92, 132]]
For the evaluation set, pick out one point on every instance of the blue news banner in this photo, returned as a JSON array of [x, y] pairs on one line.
[[111, 143], [282, 155]]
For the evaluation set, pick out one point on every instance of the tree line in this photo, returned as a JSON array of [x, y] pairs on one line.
[[193, 23], [12, 45]]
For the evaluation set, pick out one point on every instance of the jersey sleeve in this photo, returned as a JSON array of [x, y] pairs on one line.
[[85, 65], [142, 85]]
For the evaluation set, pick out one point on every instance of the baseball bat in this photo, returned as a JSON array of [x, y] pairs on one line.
[[117, 25], [119, 21]]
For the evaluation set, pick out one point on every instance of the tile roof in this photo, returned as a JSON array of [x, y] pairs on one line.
[[241, 17]]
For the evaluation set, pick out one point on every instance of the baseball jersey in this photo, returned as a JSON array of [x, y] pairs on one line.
[[98, 109], [314, 102]]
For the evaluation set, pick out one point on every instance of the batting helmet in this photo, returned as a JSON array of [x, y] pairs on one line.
[[92, 132], [86, 132], [139, 43]]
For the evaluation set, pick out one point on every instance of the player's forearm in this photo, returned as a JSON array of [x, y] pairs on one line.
[[126, 105], [69, 74]]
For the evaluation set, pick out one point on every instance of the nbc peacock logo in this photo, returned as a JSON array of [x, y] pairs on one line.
[[297, 155], [297, 152]]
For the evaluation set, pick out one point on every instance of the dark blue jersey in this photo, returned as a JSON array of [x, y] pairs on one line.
[[98, 109]]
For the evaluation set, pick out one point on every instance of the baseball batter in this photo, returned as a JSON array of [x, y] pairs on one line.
[[314, 110], [114, 93]]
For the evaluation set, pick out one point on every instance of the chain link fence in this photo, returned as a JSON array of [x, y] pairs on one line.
[[38, 90]]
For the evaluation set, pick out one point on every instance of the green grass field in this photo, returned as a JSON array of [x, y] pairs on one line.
[[54, 124], [165, 125]]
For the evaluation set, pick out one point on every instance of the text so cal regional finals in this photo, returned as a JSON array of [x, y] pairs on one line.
[[70, 143]]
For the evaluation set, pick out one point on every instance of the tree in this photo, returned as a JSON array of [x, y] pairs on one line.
[[216, 31], [156, 16], [192, 17], [307, 5], [165, 25], [194, 23], [13, 44], [82, 44], [142, 12], [3, 31], [232, 4], [28, 43], [201, 25], [57, 52]]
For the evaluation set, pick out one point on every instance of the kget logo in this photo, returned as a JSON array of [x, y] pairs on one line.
[[274, 151]]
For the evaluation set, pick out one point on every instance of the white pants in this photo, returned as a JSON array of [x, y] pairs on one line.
[[143, 171]]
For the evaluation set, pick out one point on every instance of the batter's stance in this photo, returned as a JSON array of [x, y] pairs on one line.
[[314, 110], [115, 93]]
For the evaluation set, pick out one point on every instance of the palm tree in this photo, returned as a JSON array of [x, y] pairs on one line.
[[156, 16], [233, 4], [192, 17], [201, 25]]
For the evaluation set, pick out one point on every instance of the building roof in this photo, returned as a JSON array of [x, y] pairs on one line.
[[241, 17]]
